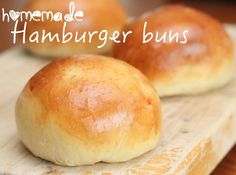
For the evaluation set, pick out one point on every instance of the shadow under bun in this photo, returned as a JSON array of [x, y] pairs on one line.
[[98, 15], [84, 109], [203, 63]]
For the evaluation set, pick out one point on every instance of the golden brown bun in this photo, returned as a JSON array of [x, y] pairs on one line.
[[98, 15], [202, 64], [85, 109]]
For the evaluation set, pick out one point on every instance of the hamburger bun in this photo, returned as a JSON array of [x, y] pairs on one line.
[[85, 109], [201, 64], [99, 15]]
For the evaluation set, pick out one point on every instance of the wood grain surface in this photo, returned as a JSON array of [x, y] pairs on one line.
[[198, 131]]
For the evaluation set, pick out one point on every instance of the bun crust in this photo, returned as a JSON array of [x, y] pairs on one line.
[[85, 109], [202, 64], [98, 15]]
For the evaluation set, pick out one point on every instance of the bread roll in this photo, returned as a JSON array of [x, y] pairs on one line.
[[98, 15], [202, 64], [86, 109]]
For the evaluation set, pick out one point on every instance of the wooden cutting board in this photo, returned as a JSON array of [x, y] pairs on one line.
[[197, 131]]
